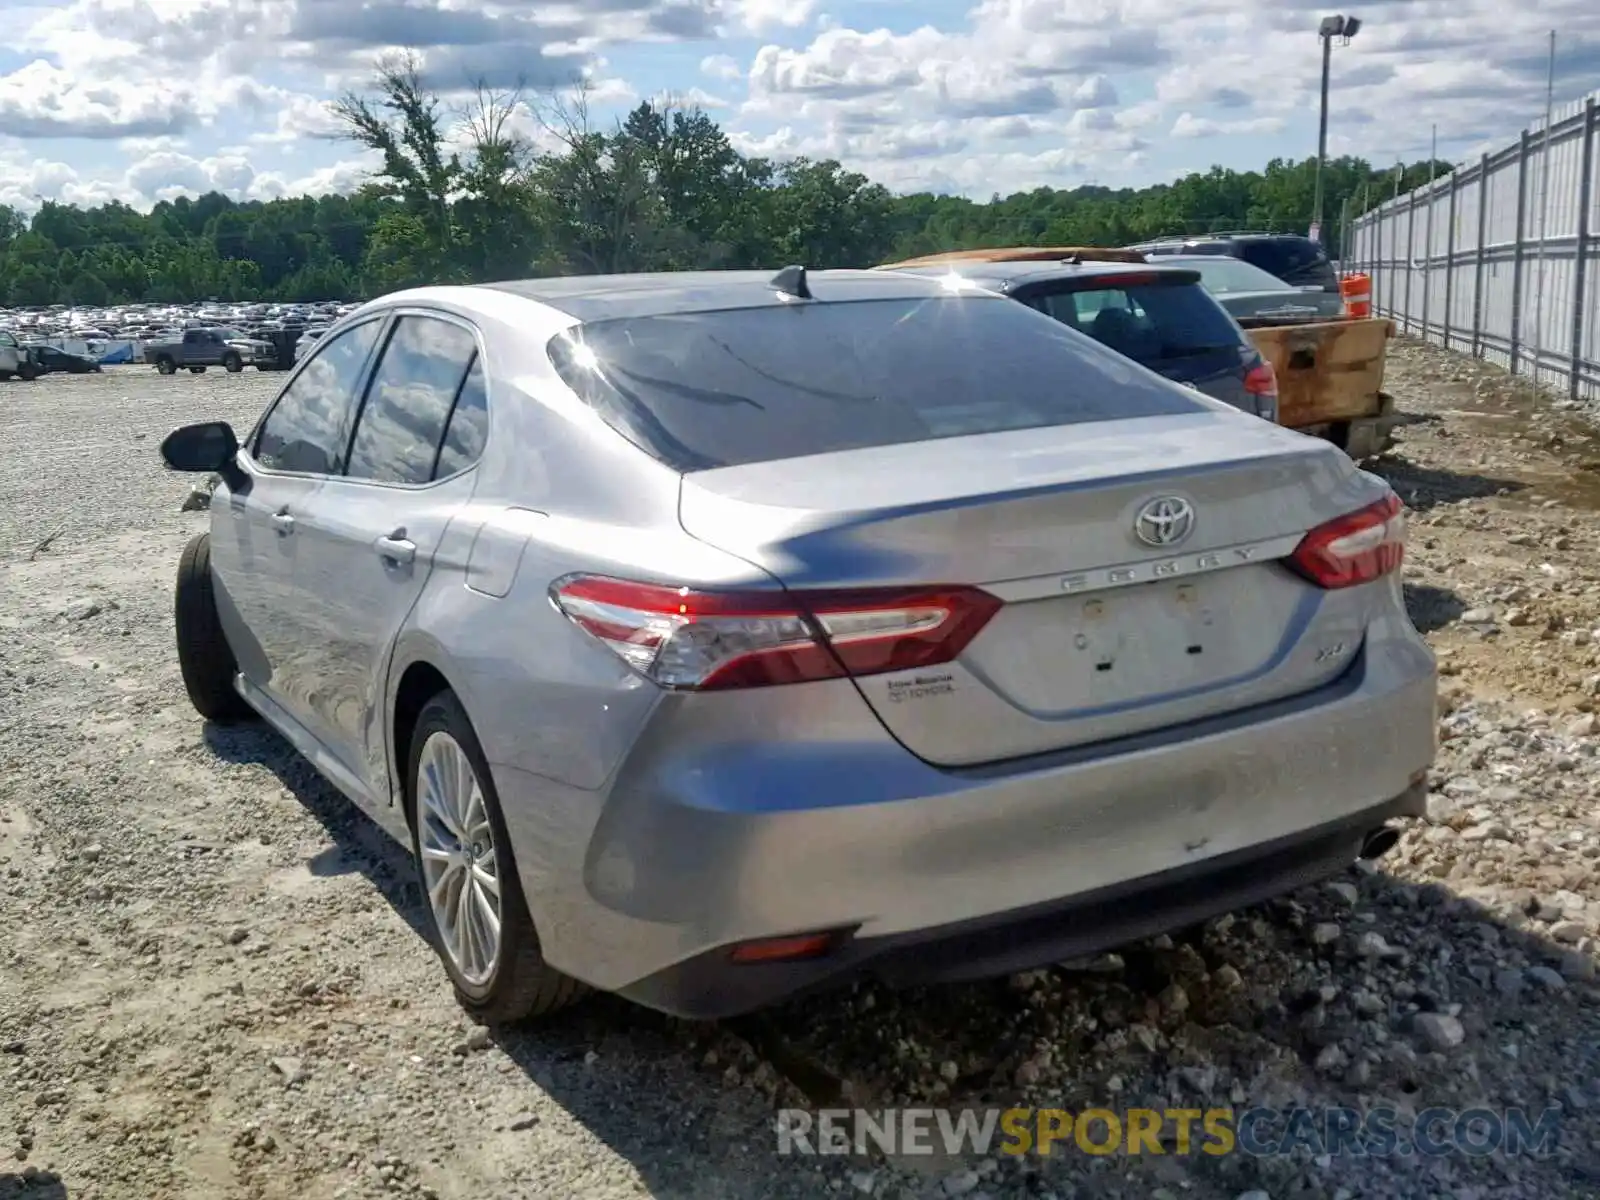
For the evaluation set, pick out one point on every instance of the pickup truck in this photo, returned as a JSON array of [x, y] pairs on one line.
[[211, 347]]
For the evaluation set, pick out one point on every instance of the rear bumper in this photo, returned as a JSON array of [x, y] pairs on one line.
[[709, 986], [789, 816]]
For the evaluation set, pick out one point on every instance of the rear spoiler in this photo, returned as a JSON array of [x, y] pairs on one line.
[[1021, 254]]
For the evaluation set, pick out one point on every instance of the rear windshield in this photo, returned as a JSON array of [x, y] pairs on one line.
[[1226, 276], [1293, 260], [715, 389], [1148, 323]]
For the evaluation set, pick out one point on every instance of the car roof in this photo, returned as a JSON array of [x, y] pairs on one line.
[[1021, 254], [605, 297], [1210, 259], [1179, 239], [1006, 276]]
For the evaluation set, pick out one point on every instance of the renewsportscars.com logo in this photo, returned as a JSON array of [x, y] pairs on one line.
[[1377, 1132]]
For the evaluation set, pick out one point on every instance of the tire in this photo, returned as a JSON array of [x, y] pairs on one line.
[[204, 656], [28, 372], [232, 364], [5, 376], [166, 366], [520, 985]]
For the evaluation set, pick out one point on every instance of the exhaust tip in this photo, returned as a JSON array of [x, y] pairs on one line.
[[1379, 842]]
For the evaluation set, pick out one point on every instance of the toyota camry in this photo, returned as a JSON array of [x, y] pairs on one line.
[[710, 638]]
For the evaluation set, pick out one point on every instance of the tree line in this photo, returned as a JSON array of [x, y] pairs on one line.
[[463, 194]]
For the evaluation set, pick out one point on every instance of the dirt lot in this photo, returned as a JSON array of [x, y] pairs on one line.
[[212, 982]]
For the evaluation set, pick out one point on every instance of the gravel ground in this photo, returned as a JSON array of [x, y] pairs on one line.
[[212, 981]]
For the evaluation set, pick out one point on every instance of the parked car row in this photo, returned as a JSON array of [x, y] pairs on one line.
[[719, 636], [26, 361], [156, 322]]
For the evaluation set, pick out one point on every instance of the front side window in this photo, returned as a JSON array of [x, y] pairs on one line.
[[408, 405], [309, 427]]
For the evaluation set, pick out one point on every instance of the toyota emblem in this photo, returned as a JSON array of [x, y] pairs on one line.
[[1164, 521]]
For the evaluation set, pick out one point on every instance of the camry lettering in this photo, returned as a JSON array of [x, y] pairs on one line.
[[1163, 569]]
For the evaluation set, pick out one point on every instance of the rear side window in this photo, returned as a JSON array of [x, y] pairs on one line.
[[408, 404], [1145, 322], [704, 390], [469, 425]]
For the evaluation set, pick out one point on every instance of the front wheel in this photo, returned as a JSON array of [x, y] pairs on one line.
[[232, 364], [204, 656], [27, 371], [468, 875]]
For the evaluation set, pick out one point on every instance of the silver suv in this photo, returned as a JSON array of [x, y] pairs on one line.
[[713, 637]]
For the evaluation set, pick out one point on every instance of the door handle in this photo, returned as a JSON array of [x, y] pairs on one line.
[[397, 549], [283, 523]]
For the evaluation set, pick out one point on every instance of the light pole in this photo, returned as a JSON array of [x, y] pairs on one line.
[[1331, 27]]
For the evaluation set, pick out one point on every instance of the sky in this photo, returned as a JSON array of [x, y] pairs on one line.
[[142, 100]]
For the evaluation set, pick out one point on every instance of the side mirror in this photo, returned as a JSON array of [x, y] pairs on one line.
[[209, 446]]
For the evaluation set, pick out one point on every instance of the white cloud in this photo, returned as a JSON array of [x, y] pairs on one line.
[[721, 66], [136, 99], [765, 16], [1190, 126], [42, 100]]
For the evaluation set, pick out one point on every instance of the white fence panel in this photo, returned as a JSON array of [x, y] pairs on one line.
[[1501, 258]]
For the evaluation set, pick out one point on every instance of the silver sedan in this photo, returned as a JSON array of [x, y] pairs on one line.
[[714, 637]]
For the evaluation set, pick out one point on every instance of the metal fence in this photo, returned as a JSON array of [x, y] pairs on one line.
[[1501, 258]]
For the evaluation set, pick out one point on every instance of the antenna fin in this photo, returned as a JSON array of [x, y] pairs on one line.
[[792, 281]]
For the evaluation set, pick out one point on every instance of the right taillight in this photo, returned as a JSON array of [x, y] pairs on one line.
[[1356, 548], [687, 639]]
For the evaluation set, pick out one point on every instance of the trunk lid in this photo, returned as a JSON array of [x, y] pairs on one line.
[[1101, 635]]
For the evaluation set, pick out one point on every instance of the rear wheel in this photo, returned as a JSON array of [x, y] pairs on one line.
[[468, 875], [166, 366], [27, 371], [204, 656]]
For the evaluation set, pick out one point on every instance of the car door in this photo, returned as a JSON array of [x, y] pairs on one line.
[[370, 543], [255, 537]]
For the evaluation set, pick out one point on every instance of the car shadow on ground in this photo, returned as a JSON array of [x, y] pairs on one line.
[[1432, 607], [626, 1073], [615, 1067], [1424, 487], [41, 1186]]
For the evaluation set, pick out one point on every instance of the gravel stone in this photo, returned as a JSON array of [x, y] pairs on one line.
[[1440, 1031], [231, 999]]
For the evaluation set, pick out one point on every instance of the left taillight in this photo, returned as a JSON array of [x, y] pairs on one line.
[[688, 639], [1356, 548]]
